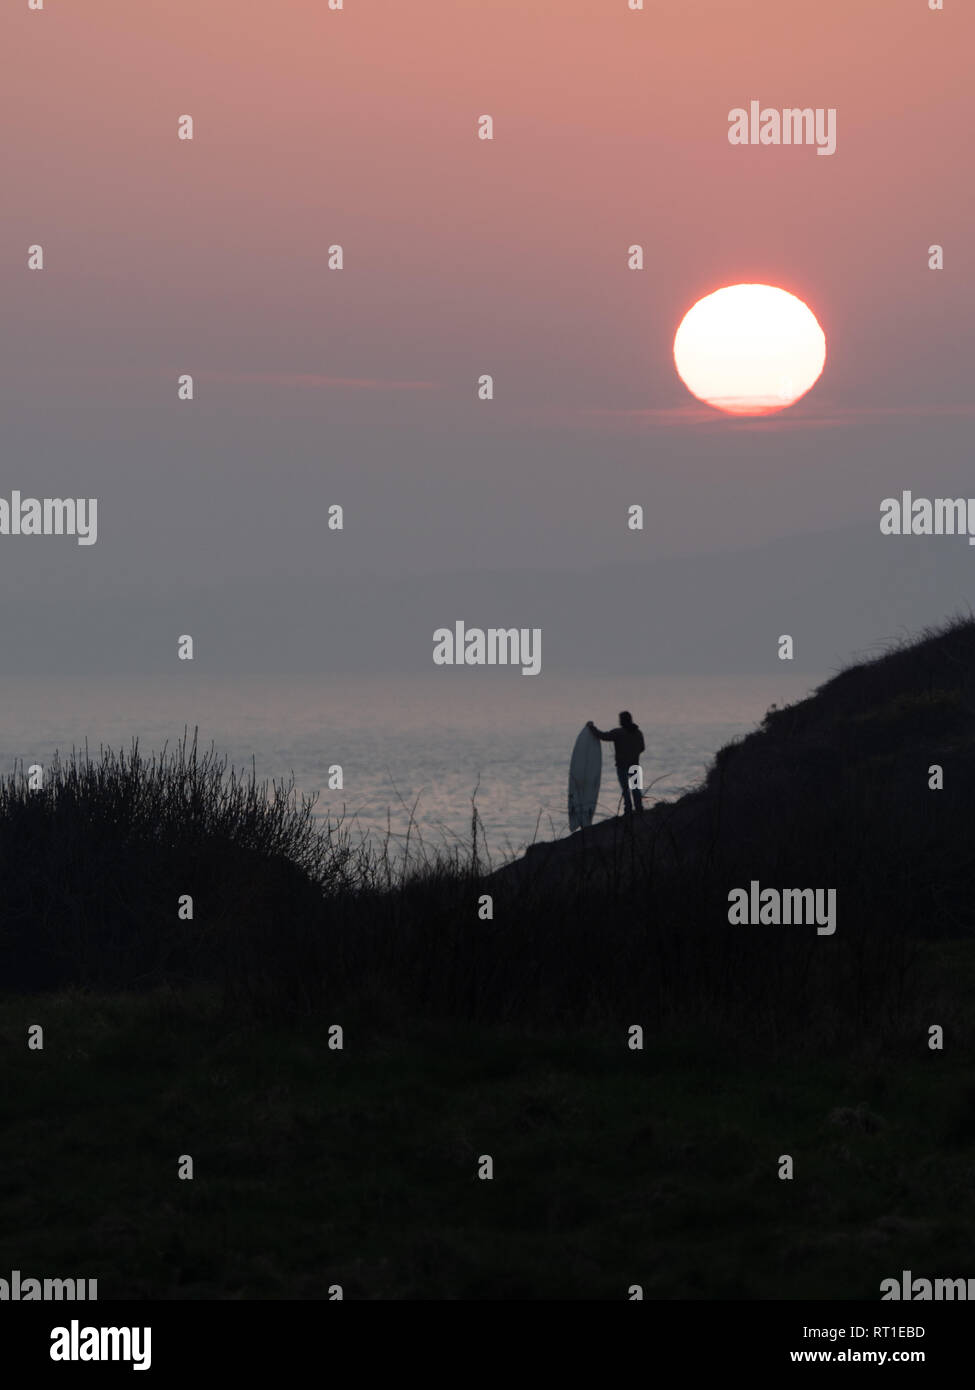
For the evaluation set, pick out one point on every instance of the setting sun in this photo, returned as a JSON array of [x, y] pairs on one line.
[[749, 349]]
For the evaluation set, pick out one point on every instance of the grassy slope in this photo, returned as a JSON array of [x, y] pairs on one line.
[[358, 1167]]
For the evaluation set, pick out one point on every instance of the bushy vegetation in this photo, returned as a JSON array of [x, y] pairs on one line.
[[291, 911]]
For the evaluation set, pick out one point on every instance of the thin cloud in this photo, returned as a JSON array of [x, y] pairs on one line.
[[312, 380], [303, 380], [789, 418]]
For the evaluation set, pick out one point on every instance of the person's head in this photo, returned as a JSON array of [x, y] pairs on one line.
[[626, 718]]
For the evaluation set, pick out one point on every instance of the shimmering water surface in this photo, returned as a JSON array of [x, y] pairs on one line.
[[428, 739]]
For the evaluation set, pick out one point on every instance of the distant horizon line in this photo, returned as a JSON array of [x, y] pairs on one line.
[[499, 674]]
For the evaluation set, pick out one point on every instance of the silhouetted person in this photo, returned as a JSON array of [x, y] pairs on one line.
[[628, 744]]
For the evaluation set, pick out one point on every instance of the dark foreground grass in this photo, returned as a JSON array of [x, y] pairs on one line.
[[206, 1033], [358, 1167]]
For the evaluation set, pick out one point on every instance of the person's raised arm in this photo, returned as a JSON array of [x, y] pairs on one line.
[[598, 732]]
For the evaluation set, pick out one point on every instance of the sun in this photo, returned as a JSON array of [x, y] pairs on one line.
[[749, 349]]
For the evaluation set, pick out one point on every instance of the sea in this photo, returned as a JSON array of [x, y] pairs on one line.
[[416, 752]]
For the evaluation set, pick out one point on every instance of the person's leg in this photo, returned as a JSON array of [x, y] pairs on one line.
[[623, 775], [638, 799]]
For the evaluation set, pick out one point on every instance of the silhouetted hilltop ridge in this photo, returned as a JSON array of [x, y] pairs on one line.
[[931, 676], [840, 785]]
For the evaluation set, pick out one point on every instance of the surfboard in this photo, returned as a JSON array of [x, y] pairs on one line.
[[585, 769]]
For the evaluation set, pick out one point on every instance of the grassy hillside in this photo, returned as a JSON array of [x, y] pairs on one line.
[[466, 1034]]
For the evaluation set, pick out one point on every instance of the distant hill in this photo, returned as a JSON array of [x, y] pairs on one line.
[[836, 593]]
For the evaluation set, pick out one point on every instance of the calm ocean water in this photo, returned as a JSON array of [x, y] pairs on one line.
[[429, 739]]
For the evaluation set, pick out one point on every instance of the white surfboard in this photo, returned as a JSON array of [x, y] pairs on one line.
[[585, 770]]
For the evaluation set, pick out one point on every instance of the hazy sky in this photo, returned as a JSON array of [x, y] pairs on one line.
[[464, 257]]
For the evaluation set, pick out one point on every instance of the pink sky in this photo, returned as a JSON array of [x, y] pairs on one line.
[[358, 126], [463, 257]]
